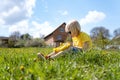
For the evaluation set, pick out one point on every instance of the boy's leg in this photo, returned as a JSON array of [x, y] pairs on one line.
[[41, 56], [52, 53], [57, 54]]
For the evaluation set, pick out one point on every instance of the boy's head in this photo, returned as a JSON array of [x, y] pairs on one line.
[[73, 27]]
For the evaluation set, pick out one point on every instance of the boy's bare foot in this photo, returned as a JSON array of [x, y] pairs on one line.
[[41, 56], [47, 57]]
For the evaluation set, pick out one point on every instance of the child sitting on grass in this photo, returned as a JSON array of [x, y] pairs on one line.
[[80, 41]]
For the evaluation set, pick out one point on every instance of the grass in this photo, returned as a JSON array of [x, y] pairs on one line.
[[21, 64]]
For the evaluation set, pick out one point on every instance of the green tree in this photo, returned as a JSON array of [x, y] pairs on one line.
[[26, 36], [116, 32], [100, 36], [13, 38], [116, 38], [15, 35]]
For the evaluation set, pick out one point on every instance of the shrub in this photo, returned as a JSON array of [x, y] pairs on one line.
[[35, 43]]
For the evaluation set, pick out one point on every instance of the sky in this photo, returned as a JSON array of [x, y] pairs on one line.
[[41, 17]]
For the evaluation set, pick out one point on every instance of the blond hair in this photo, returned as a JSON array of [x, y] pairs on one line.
[[73, 27]]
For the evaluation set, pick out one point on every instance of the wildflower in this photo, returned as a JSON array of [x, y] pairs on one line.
[[22, 68], [104, 52], [21, 78], [35, 59]]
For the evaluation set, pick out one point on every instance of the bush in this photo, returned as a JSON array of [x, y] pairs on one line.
[[35, 43], [20, 43]]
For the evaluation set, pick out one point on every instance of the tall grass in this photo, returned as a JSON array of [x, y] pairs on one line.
[[21, 64]]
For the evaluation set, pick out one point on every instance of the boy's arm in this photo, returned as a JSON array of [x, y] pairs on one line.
[[63, 47]]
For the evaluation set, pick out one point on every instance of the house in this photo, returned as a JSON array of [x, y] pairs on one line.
[[115, 43], [4, 41], [57, 36]]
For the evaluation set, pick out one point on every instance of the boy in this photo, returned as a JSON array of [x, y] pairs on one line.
[[80, 41]]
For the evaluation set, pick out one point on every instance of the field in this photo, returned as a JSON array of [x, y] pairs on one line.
[[22, 64]]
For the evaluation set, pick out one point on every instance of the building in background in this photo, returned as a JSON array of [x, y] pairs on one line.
[[4, 41], [57, 36]]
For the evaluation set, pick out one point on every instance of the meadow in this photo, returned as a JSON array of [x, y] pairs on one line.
[[23, 64]]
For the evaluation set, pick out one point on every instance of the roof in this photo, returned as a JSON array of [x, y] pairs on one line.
[[2, 37], [116, 37], [54, 30]]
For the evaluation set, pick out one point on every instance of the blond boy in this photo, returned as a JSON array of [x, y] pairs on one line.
[[80, 41]]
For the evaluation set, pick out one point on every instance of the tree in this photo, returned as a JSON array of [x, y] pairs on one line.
[[23, 39], [116, 32], [15, 35], [100, 36], [36, 42], [26, 36], [116, 38], [42, 36], [13, 38]]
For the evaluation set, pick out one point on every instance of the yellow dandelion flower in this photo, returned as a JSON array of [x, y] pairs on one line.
[[104, 52], [22, 68]]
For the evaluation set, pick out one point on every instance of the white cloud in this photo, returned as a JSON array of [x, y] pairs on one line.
[[35, 29], [29, 6], [22, 27], [13, 11], [92, 17], [64, 13], [43, 28], [1, 21]]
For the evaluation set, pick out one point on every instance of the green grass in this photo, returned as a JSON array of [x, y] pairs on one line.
[[21, 64]]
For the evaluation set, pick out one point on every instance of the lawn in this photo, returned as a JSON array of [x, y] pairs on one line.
[[22, 64]]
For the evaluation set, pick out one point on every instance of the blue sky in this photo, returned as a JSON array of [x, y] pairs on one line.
[[38, 17]]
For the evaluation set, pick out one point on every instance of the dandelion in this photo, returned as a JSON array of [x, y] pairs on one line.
[[21, 78], [104, 52], [35, 59], [22, 68]]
